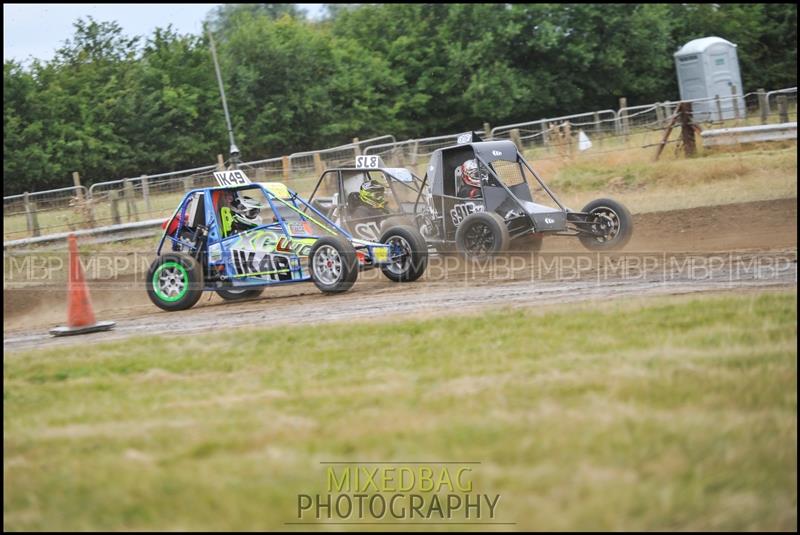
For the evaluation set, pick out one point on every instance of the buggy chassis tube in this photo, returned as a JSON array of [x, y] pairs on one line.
[[575, 218], [514, 197]]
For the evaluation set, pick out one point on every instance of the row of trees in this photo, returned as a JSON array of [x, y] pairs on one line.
[[109, 105]]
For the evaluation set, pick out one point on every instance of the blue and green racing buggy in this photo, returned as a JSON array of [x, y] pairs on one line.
[[239, 237]]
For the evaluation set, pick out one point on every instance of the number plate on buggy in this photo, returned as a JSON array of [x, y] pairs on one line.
[[380, 254], [369, 162], [231, 178]]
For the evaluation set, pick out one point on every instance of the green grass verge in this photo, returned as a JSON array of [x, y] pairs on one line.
[[708, 167], [666, 413]]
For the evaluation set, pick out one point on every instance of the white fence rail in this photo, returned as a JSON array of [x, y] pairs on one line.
[[749, 134]]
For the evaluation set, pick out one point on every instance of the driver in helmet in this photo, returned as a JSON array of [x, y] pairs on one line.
[[468, 179], [246, 213], [371, 200]]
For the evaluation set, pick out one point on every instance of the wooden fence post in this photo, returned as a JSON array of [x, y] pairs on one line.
[[318, 167], [76, 179], [659, 114], [287, 168], [220, 163], [84, 204], [356, 146], [146, 192], [762, 105], [545, 133], [687, 129], [30, 215], [487, 130], [735, 102], [113, 199], [130, 200], [783, 108], [515, 138], [719, 108]]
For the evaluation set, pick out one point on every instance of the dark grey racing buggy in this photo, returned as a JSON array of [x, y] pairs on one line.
[[496, 210], [369, 197], [376, 203]]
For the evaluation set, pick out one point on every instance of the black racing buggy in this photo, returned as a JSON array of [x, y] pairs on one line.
[[477, 200]]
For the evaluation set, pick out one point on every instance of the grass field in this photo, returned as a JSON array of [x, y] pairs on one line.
[[658, 414], [762, 172]]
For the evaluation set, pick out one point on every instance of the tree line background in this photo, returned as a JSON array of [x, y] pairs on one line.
[[110, 105]]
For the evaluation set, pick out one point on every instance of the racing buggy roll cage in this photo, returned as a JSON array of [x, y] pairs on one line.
[[212, 234], [394, 180]]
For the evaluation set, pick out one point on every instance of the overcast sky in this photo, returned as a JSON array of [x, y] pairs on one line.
[[37, 30]]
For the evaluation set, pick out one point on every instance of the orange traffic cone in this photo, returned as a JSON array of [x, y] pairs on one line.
[[80, 316]]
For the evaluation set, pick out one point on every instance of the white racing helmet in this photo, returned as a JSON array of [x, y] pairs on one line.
[[246, 210], [470, 173]]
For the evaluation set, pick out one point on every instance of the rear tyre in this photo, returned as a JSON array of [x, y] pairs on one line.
[[235, 294], [614, 223], [481, 234], [333, 264], [174, 281], [409, 242]]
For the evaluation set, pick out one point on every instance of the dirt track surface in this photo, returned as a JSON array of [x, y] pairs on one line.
[[729, 247]]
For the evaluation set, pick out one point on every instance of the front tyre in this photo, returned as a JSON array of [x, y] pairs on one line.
[[333, 264], [409, 247], [481, 234], [611, 224], [174, 281]]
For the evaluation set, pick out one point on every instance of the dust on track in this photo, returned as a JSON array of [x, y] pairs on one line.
[[728, 247]]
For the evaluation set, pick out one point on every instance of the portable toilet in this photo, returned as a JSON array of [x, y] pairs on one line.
[[709, 67]]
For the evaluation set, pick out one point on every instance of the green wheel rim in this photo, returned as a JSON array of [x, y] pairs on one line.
[[170, 281]]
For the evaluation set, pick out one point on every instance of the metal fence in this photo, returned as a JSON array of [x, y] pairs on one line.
[[412, 153], [42, 212], [147, 197]]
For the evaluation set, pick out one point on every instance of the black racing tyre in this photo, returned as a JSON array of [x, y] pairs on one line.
[[482, 233], [396, 221], [611, 217], [333, 264], [174, 281], [529, 243], [415, 251], [235, 294]]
